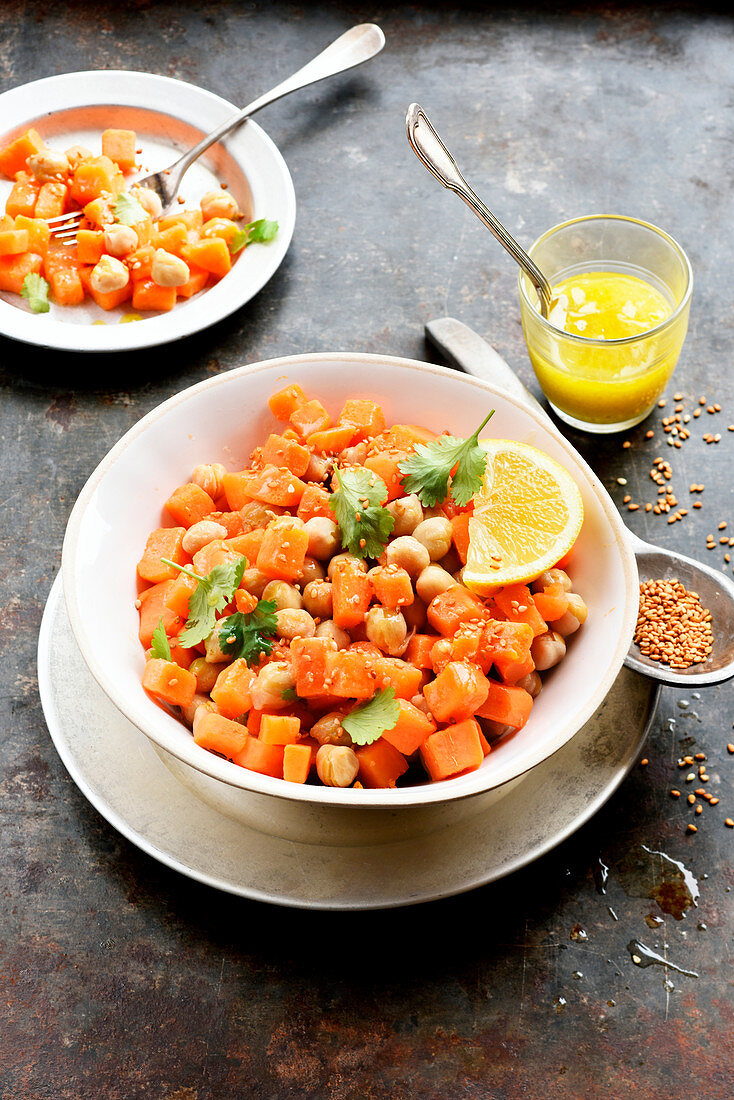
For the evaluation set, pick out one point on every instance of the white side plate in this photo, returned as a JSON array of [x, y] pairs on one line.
[[168, 116]]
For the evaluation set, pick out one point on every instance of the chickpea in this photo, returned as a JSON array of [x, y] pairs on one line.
[[317, 599], [271, 682], [407, 552], [48, 163], [284, 595], [415, 614], [294, 624], [336, 561], [329, 730], [219, 204], [255, 582], [209, 478], [77, 153], [547, 650], [432, 581], [169, 270], [435, 535], [318, 469], [323, 537], [109, 274], [189, 713], [387, 629], [531, 683], [120, 239], [354, 456], [215, 655], [329, 629], [206, 674], [312, 571], [550, 577], [201, 534], [407, 513], [150, 201], [574, 616], [337, 765]]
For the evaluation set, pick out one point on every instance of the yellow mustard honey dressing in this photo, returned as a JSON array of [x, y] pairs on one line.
[[606, 305], [606, 383]]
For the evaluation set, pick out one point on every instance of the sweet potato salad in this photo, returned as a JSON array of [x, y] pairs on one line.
[[124, 250], [312, 617]]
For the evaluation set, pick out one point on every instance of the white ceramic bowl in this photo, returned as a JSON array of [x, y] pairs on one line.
[[169, 116], [221, 420]]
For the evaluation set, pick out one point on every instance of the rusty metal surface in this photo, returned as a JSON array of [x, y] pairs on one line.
[[121, 979]]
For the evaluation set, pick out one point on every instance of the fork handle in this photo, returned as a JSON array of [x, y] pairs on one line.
[[352, 48]]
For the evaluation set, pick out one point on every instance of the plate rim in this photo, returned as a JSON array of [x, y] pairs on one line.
[[20, 326], [113, 817], [335, 796]]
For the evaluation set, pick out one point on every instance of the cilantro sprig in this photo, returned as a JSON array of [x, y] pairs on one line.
[[370, 720], [35, 291], [357, 504], [257, 232], [249, 635], [160, 646], [428, 469], [212, 593], [127, 210]]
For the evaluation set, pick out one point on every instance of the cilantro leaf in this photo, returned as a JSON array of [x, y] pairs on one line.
[[357, 504], [160, 646], [35, 291], [212, 593], [289, 694], [427, 471], [369, 721], [249, 635], [257, 232], [127, 210]]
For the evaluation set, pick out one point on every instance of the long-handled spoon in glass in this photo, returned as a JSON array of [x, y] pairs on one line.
[[432, 152]]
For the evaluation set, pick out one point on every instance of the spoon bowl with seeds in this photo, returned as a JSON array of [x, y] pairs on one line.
[[685, 632]]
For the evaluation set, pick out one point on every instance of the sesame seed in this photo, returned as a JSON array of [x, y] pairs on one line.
[[672, 626], [691, 828], [729, 823]]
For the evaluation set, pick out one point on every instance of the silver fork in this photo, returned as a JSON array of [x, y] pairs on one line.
[[352, 48]]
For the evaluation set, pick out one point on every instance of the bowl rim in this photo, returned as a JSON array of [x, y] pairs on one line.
[[29, 103], [201, 760]]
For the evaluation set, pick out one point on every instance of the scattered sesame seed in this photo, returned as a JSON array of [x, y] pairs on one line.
[[729, 823], [626, 444], [691, 799], [691, 828], [675, 793], [621, 481]]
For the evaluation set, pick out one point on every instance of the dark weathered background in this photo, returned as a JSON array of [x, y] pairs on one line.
[[119, 978]]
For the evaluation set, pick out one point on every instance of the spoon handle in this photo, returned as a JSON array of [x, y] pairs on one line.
[[432, 152]]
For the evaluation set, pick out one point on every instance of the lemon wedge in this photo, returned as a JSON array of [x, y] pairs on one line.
[[527, 516]]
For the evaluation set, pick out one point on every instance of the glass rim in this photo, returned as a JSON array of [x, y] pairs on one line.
[[595, 341]]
